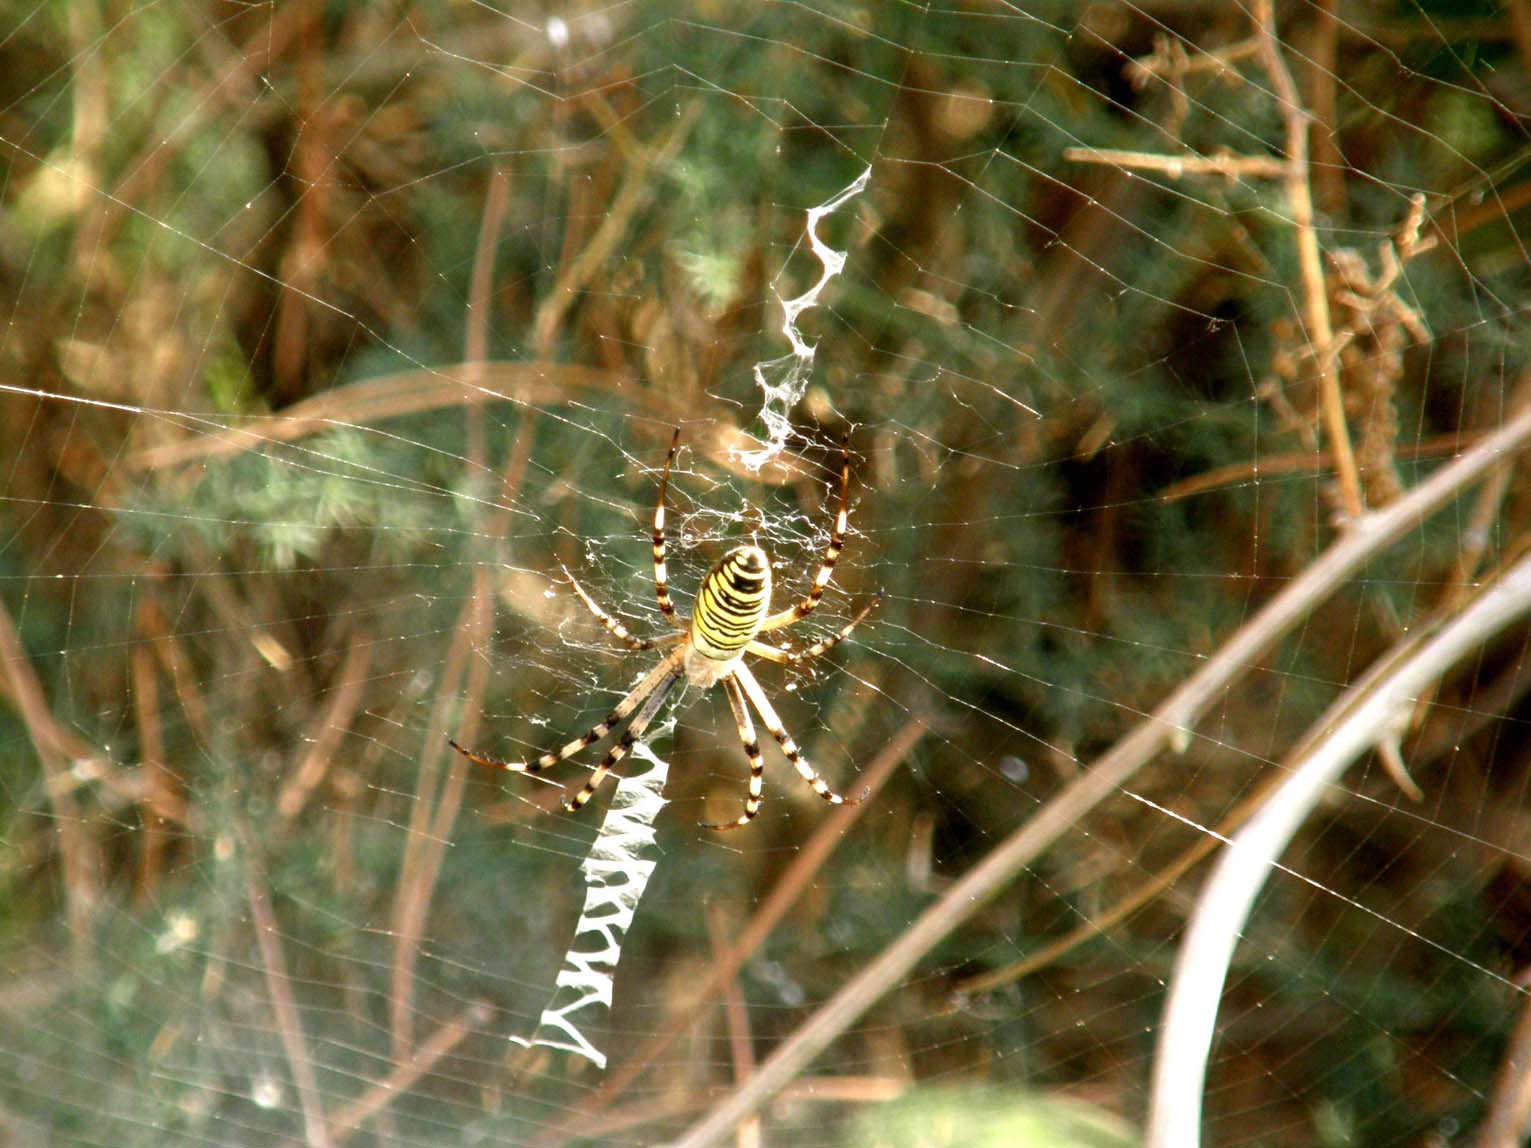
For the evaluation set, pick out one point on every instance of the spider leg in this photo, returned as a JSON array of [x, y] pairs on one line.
[[831, 554], [617, 629], [595, 733], [661, 576], [751, 751], [773, 724], [630, 735], [797, 657]]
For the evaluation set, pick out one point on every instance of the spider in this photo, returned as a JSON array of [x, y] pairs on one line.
[[732, 608]]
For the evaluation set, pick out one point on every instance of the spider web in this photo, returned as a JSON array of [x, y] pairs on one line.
[[1180, 352]]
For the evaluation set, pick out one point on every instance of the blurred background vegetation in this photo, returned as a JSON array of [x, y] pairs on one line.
[[332, 330]]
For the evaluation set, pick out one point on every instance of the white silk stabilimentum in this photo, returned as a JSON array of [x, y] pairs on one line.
[[617, 871], [783, 381]]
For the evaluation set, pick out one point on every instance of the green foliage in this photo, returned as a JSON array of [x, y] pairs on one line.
[[290, 506]]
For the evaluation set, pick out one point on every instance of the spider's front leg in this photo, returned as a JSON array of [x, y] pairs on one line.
[[831, 553], [614, 627], [661, 573], [799, 658], [629, 737]]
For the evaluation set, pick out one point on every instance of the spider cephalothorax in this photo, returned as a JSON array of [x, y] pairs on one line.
[[732, 610]]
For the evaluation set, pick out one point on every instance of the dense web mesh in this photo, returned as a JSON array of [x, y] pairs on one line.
[[1180, 354]]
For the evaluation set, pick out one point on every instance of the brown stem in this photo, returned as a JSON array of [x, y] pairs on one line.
[[1509, 1106], [737, 1020], [1230, 165], [151, 756], [394, 396], [1315, 301], [329, 728], [1328, 164], [53, 745], [480, 291], [289, 1023], [435, 811], [403, 1077]]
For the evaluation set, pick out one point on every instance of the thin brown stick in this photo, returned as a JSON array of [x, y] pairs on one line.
[[404, 1076], [438, 799], [1464, 578], [1520, 22], [1304, 462], [1452, 225], [1486, 509], [53, 745], [437, 802], [1328, 165], [151, 755], [480, 291], [736, 1019], [1101, 923], [479, 622], [176, 666], [638, 188], [289, 1023], [1315, 301], [1169, 726], [325, 734], [298, 278], [1229, 164], [411, 899], [434, 813], [837, 1089], [1508, 1118], [788, 888], [394, 396], [479, 615]]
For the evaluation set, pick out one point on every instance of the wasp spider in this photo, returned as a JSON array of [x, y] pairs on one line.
[[732, 608]]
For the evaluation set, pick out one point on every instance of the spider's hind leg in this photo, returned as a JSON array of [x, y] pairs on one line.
[[751, 750], [652, 682], [629, 736], [789, 747]]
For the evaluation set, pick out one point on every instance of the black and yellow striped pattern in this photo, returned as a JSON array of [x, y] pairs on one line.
[[832, 555], [731, 606], [751, 751], [732, 609], [655, 679], [661, 573]]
